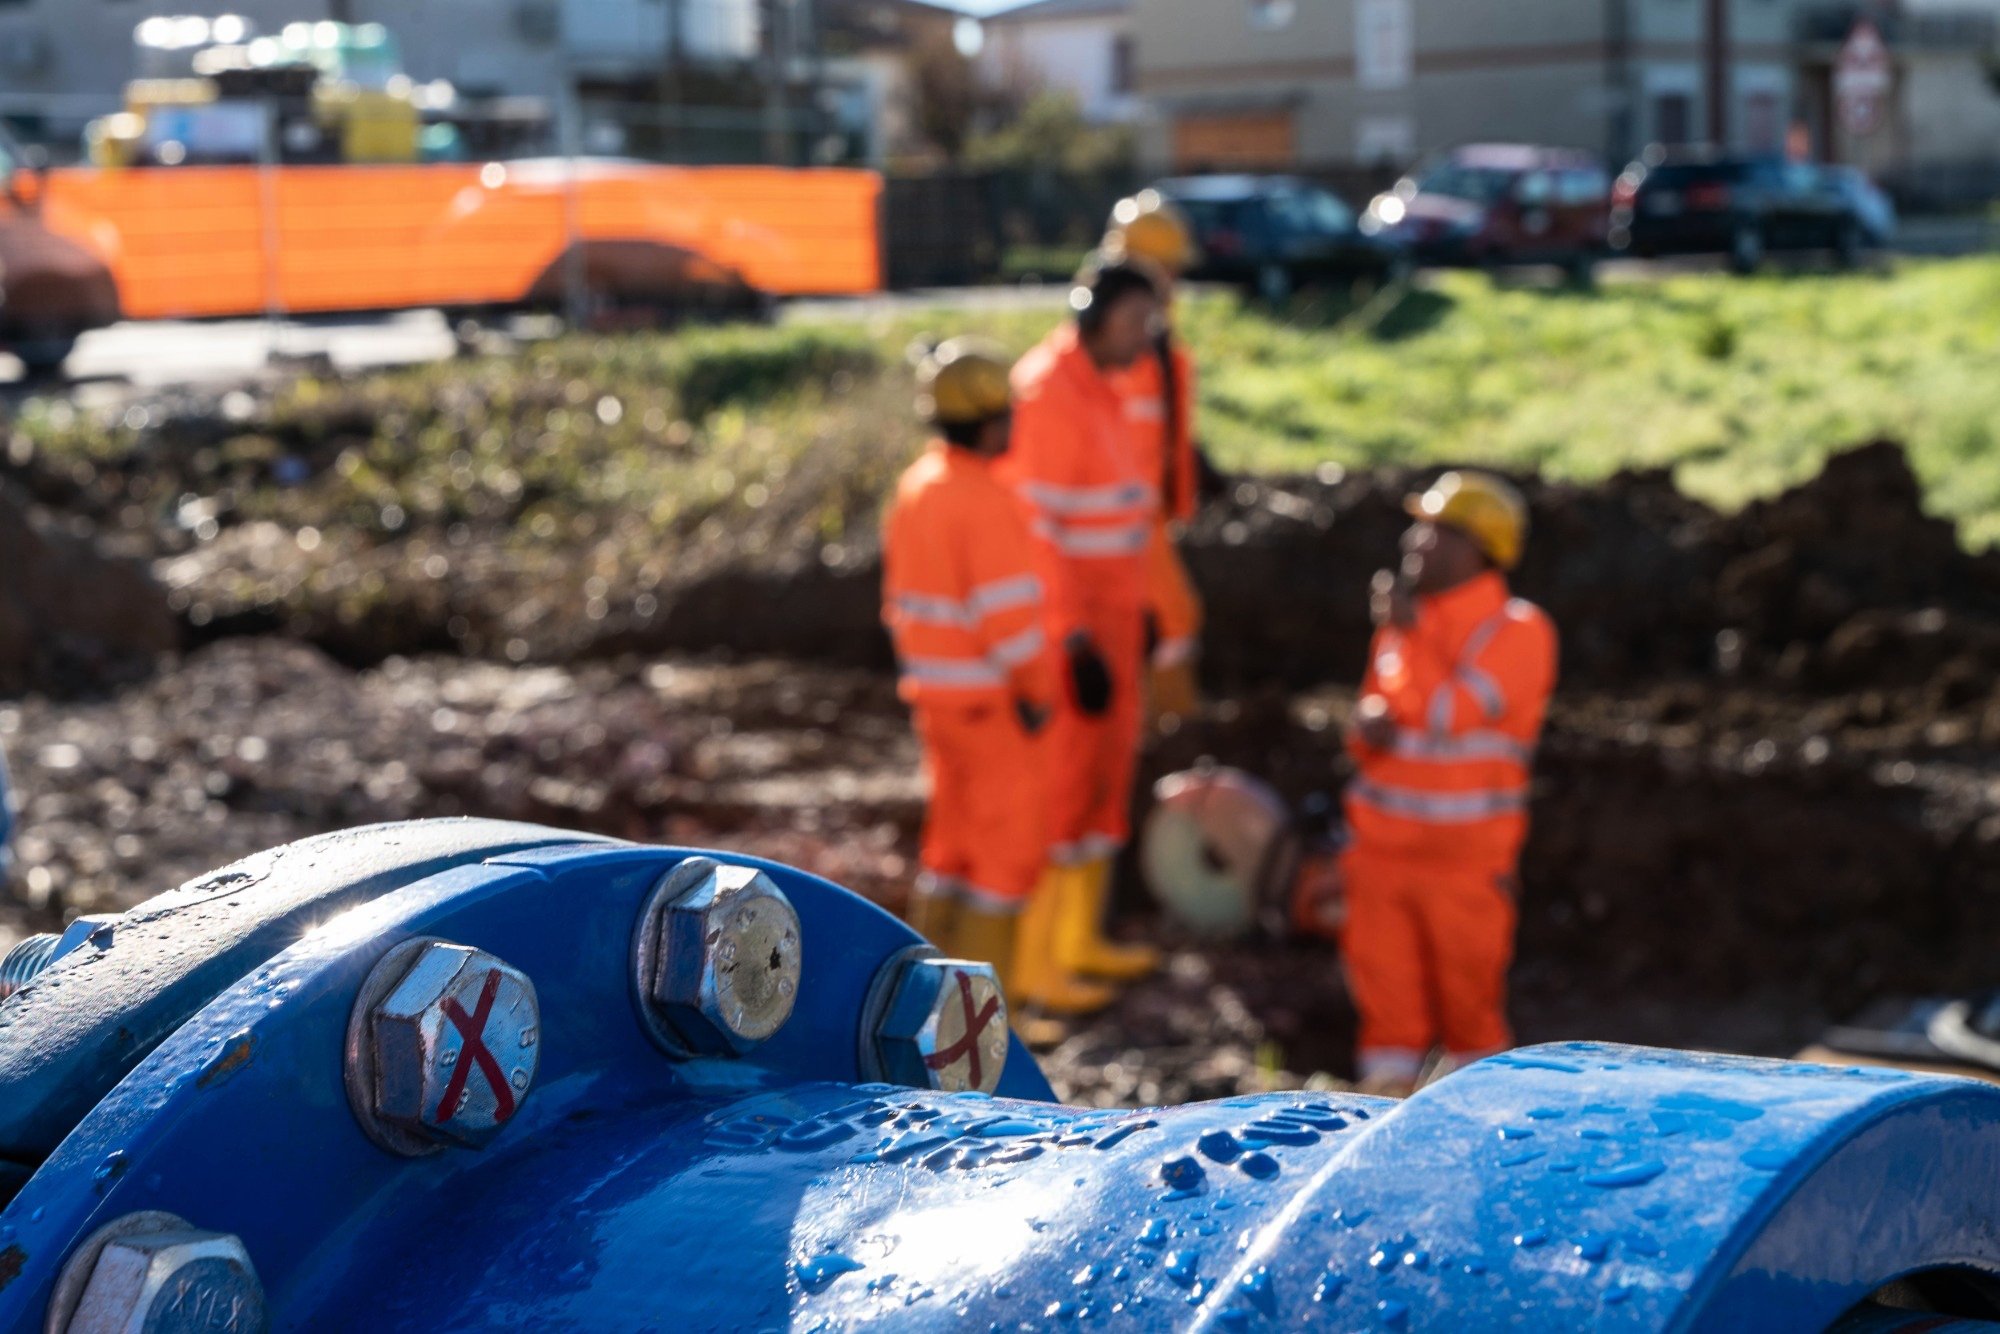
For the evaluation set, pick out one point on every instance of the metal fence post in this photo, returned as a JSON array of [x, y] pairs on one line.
[[569, 129], [273, 240]]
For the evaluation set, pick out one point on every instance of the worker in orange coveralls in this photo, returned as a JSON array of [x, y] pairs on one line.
[[1444, 733], [1159, 394], [964, 604], [1092, 497]]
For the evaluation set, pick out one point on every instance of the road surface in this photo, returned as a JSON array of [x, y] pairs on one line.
[[165, 354]]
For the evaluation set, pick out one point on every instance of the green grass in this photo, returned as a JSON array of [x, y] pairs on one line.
[[670, 450], [1741, 387]]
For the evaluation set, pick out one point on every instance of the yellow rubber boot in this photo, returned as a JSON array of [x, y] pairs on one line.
[[1080, 943], [935, 917], [1039, 980], [986, 936]]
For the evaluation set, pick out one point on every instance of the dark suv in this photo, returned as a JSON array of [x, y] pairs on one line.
[[1702, 203], [1275, 234]]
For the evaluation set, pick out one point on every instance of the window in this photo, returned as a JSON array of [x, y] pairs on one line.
[[1123, 52], [1580, 187], [1478, 185], [1763, 129], [1272, 15], [1384, 46], [1535, 190], [1385, 140], [1329, 213], [1802, 178], [1673, 118]]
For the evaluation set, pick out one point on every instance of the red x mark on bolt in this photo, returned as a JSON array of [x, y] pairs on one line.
[[975, 1025], [472, 1029]]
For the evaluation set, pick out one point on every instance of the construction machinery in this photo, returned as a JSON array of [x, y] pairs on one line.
[[304, 173], [1226, 856], [213, 92], [449, 1074]]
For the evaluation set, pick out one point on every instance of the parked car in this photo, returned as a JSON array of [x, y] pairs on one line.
[[1275, 234], [1699, 202], [1872, 205], [1500, 204], [51, 289]]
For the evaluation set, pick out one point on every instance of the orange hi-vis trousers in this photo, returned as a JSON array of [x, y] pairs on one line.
[[1171, 600], [984, 837], [1093, 762], [1427, 945]]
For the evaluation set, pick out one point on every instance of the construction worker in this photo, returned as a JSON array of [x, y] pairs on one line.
[[1158, 390], [1443, 735], [1092, 497], [964, 605]]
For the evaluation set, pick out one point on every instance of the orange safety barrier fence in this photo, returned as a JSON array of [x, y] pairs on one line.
[[193, 242]]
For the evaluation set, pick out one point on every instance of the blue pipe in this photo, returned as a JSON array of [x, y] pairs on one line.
[[1579, 1186], [6, 818]]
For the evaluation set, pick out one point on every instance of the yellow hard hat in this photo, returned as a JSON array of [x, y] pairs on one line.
[[1484, 508], [964, 380], [1148, 226]]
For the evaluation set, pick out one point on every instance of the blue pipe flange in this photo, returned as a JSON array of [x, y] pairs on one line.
[[93, 1015], [577, 1173]]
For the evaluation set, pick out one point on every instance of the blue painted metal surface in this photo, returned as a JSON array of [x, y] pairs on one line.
[[1571, 1187], [6, 817]]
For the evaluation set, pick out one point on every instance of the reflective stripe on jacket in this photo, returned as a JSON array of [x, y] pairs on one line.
[[1168, 461], [960, 592], [1077, 468], [1467, 687]]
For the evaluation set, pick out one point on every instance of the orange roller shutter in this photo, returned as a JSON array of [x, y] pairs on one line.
[[1251, 139]]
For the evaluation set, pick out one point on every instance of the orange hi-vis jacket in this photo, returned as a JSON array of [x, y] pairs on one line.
[[1166, 444], [1079, 470], [1166, 439], [960, 591], [1467, 686]]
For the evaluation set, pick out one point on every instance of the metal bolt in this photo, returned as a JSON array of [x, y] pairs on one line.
[[716, 959], [25, 962], [442, 1047], [154, 1273], [942, 1025], [32, 957]]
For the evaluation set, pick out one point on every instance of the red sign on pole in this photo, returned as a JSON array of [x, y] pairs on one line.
[[1862, 81]]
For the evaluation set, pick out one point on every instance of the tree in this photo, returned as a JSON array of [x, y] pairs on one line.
[[945, 97], [1051, 132]]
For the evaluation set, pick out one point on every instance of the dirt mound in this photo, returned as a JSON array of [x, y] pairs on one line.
[[1817, 588], [258, 742], [1769, 792], [68, 611]]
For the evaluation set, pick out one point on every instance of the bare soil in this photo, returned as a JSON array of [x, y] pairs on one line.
[[1770, 791]]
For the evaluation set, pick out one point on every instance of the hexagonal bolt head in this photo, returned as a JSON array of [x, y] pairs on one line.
[[945, 1027], [718, 959], [168, 1282], [451, 1044]]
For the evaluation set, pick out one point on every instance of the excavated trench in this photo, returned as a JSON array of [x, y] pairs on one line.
[[1770, 791]]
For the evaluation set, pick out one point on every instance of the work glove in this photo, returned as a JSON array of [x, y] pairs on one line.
[[1088, 676]]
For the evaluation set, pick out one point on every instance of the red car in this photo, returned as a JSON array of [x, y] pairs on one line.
[[1500, 204]]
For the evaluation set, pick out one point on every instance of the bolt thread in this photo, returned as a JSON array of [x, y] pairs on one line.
[[25, 962]]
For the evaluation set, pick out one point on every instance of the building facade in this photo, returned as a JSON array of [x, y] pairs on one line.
[[64, 62], [1085, 48], [1310, 82]]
